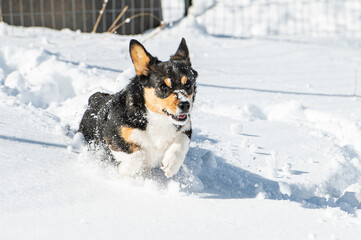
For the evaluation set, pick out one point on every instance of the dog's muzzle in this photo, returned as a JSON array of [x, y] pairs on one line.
[[184, 106]]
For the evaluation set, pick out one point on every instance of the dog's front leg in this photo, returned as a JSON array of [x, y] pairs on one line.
[[175, 154]]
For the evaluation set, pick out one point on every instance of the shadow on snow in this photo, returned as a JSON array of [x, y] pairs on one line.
[[222, 180], [212, 177], [279, 91]]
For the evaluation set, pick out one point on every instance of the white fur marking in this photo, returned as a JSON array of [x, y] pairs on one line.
[[181, 95], [161, 146], [175, 154], [130, 164], [157, 140]]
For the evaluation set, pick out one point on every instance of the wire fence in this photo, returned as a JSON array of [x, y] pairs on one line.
[[82, 14], [277, 18], [284, 17], [236, 18]]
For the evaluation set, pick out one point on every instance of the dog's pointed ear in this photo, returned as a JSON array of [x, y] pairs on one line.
[[182, 52], [140, 57]]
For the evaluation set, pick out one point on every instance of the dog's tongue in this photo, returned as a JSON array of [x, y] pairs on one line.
[[182, 116]]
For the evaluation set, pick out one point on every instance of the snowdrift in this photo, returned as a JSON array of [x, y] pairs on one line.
[[276, 150]]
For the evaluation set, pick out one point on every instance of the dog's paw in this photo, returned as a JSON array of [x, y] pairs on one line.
[[171, 164]]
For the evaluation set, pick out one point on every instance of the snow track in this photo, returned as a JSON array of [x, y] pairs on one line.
[[276, 131]]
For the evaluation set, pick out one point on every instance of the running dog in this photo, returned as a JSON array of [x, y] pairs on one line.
[[147, 124]]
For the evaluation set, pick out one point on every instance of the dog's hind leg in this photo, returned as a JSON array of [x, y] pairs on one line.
[[97, 100], [88, 124]]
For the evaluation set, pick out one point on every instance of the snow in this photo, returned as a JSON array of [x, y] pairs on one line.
[[275, 154], [245, 18]]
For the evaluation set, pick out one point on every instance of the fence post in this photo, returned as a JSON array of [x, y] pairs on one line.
[[1, 15], [187, 4]]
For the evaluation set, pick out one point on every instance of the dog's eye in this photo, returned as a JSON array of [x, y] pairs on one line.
[[188, 85], [164, 88]]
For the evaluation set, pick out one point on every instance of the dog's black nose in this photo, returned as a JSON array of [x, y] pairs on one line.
[[184, 106]]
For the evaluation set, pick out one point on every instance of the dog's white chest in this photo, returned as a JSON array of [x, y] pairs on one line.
[[162, 144], [157, 137]]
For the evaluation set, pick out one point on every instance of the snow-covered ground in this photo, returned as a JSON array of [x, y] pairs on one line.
[[276, 150]]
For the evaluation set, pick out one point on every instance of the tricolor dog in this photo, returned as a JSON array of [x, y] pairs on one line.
[[147, 124]]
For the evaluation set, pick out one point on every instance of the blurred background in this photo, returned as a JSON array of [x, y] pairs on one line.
[[237, 18]]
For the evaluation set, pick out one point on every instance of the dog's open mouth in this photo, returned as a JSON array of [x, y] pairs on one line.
[[180, 117]]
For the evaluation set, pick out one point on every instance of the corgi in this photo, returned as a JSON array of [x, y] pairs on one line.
[[147, 124]]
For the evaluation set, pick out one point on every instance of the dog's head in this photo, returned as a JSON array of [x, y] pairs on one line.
[[169, 87]]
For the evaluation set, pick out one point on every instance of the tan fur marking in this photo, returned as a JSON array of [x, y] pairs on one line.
[[126, 132], [157, 105], [134, 147], [140, 60], [184, 80], [168, 82]]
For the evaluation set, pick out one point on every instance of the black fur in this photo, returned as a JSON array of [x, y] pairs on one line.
[[106, 113]]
